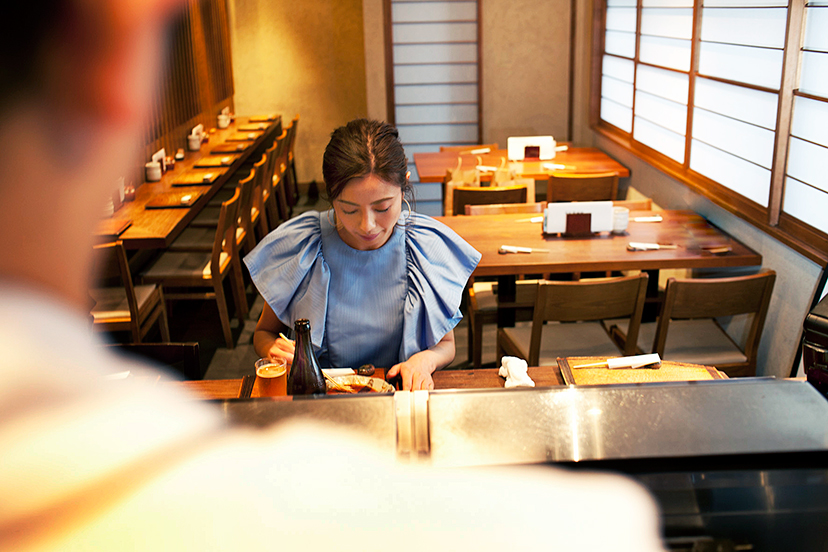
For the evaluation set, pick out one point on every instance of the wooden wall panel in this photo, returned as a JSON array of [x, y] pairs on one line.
[[197, 82]]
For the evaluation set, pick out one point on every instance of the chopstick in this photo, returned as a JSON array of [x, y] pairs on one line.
[[651, 360], [247, 386], [286, 338]]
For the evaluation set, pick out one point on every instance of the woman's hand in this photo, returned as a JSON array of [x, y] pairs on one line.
[[282, 348], [416, 371], [415, 374]]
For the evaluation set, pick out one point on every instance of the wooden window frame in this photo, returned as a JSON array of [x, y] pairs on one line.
[[794, 233]]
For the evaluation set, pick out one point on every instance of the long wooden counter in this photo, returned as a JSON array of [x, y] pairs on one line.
[[157, 228]]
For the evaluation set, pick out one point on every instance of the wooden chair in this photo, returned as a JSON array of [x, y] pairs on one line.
[[691, 325], [487, 195], [581, 187], [125, 307], [506, 208], [291, 191], [291, 183], [200, 237], [181, 359], [468, 148], [276, 203], [483, 306], [178, 272], [580, 308]]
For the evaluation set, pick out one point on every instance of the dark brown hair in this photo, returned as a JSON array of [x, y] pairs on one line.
[[364, 147]]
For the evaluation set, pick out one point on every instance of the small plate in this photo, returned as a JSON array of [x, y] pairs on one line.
[[360, 384]]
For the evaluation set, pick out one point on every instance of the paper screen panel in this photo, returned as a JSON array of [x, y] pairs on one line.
[[745, 104], [743, 177], [742, 139], [659, 138], [435, 93], [616, 114], [665, 113], [460, 73], [806, 203], [759, 66], [665, 52], [749, 27]]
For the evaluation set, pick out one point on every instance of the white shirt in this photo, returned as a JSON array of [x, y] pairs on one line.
[[92, 464]]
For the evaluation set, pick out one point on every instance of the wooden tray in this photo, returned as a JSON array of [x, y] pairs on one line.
[[199, 177], [263, 118], [215, 161], [252, 126], [173, 200], [669, 371], [230, 147]]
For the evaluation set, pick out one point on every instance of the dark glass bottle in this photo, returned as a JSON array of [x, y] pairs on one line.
[[305, 376]]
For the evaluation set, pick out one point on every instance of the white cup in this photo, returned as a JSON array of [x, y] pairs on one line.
[[620, 219], [223, 121], [194, 142], [153, 170]]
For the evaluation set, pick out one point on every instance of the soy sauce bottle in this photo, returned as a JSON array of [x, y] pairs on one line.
[[305, 377]]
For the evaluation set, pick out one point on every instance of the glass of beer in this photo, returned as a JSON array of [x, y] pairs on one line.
[[271, 377]]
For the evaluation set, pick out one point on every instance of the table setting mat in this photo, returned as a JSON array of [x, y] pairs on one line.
[[263, 118], [198, 177], [243, 136], [252, 126], [230, 147], [112, 228], [173, 200], [215, 161]]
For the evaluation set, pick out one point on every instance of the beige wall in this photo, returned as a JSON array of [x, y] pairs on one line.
[[525, 68], [300, 57]]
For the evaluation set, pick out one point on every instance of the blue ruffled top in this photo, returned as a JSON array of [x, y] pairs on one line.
[[379, 306]]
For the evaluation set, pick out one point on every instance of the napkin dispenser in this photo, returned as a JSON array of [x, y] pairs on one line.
[[578, 218], [530, 147]]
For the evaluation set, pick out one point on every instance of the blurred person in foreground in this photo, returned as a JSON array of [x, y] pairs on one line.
[[89, 464]]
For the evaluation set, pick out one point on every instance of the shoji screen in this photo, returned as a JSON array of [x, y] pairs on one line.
[[806, 183], [435, 74]]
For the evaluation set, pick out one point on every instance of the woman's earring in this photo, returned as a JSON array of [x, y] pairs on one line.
[[409, 209]]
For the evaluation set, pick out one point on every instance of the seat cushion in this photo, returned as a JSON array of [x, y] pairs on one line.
[[565, 340], [111, 303], [691, 341], [184, 266]]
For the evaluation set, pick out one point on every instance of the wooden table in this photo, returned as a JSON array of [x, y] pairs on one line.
[[603, 252], [600, 253], [157, 228], [432, 167]]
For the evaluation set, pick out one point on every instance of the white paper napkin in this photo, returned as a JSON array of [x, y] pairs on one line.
[[515, 371]]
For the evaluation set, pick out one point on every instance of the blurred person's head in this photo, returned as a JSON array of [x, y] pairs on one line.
[[76, 82]]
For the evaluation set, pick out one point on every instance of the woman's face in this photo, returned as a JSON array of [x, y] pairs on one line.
[[367, 211]]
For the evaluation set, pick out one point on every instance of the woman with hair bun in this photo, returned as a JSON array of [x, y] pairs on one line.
[[380, 283]]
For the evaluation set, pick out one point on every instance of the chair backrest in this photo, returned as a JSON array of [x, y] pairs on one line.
[[225, 242], [248, 187], [486, 195], [588, 300], [506, 208], [718, 297], [468, 148], [292, 135], [110, 264], [581, 187], [634, 204]]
